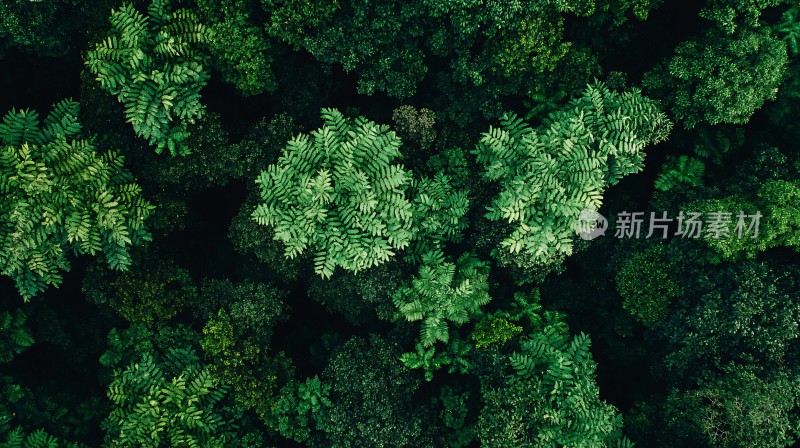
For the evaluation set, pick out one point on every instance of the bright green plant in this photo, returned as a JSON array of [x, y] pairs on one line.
[[443, 294], [338, 193], [61, 195], [546, 388], [153, 66], [439, 214], [429, 359], [175, 402], [550, 175]]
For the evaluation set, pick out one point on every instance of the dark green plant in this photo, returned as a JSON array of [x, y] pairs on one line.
[[240, 48], [154, 67], [682, 171], [648, 282], [719, 78], [300, 408], [152, 291], [61, 195]]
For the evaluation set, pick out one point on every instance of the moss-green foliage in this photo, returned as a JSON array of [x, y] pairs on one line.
[[371, 399], [240, 48], [549, 175], [737, 408], [647, 283], [681, 171], [337, 193], [718, 78], [415, 126], [61, 195], [153, 65], [152, 291], [236, 340], [363, 297]]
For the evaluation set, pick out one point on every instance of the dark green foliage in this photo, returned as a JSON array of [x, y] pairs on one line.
[[789, 29], [15, 337], [567, 164], [236, 341], [454, 415], [744, 313], [301, 407], [647, 283], [217, 161], [17, 438], [730, 15], [152, 291], [291, 20], [337, 193], [544, 393], [767, 187], [61, 195], [360, 298], [738, 408], [240, 48], [731, 359], [682, 171], [153, 66], [719, 78], [250, 238], [371, 399], [35, 27], [377, 40]]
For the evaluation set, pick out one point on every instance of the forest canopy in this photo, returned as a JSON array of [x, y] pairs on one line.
[[383, 223]]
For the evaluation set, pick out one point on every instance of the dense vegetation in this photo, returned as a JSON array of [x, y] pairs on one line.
[[350, 223]]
